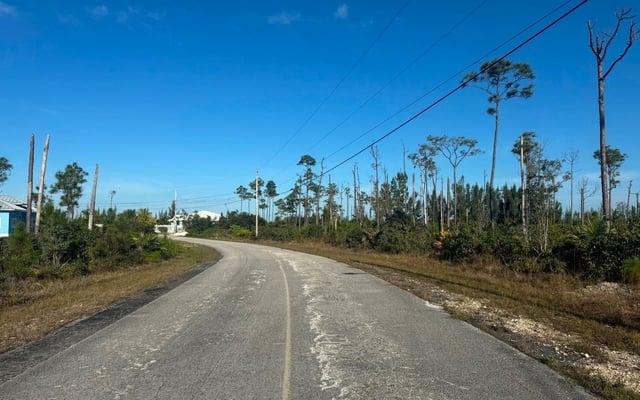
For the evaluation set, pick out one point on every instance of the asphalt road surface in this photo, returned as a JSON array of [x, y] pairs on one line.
[[265, 323]]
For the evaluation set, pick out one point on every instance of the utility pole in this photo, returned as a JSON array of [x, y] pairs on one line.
[[257, 202], [629, 198], [92, 204], [30, 182], [175, 210], [43, 169]]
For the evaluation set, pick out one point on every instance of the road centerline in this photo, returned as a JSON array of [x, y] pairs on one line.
[[286, 378]]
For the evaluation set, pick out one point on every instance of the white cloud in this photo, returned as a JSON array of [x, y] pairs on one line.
[[68, 19], [155, 15], [6, 9], [284, 18], [122, 17], [98, 11], [342, 12]]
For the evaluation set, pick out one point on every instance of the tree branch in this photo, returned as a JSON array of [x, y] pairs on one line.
[[632, 38]]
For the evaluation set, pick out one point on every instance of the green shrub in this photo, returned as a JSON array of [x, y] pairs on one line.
[[283, 233], [240, 232], [392, 241], [20, 255], [457, 246], [310, 232], [352, 235], [632, 270]]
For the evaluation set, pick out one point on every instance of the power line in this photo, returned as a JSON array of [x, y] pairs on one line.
[[403, 70], [343, 79], [460, 86], [441, 84], [481, 58]]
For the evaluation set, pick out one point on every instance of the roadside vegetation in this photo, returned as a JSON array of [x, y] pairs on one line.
[[68, 271]]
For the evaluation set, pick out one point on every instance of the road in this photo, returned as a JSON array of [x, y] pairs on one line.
[[266, 323]]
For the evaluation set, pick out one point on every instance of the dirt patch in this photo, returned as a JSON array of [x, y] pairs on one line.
[[536, 338]]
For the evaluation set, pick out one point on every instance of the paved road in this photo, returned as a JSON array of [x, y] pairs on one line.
[[266, 323]]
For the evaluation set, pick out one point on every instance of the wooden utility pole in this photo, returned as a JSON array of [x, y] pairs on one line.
[[43, 170], [257, 202], [629, 199], [30, 182], [92, 204]]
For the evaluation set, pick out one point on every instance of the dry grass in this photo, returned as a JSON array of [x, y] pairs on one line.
[[30, 309]]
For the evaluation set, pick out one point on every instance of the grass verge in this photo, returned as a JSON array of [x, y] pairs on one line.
[[30, 309]]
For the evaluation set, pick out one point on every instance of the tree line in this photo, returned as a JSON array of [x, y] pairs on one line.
[[524, 227], [65, 243]]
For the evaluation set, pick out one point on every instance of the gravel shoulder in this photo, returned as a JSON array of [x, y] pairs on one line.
[[534, 338]]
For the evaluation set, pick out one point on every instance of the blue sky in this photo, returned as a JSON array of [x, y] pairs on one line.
[[194, 97]]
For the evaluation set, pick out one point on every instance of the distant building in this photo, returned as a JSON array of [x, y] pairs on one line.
[[176, 223], [12, 212], [206, 214]]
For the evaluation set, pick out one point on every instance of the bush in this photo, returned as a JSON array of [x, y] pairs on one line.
[[632, 270], [352, 235], [310, 232], [457, 246], [19, 253], [240, 232], [390, 240], [284, 233]]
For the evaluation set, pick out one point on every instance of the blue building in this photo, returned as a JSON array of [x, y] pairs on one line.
[[12, 211]]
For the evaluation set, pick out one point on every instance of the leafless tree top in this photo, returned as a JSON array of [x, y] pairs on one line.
[[600, 43]]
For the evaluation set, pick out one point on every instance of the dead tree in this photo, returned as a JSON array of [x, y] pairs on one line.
[[600, 44]]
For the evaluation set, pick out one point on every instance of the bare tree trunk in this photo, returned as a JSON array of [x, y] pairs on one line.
[[523, 183], [376, 185], [604, 176], [257, 201], [441, 206], [582, 205], [318, 193], [493, 160], [43, 170], [448, 213], [92, 204], [425, 198], [599, 46], [300, 204], [629, 199], [30, 183], [413, 198], [572, 158], [355, 191], [455, 197]]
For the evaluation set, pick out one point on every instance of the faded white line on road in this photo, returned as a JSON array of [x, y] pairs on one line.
[[287, 352]]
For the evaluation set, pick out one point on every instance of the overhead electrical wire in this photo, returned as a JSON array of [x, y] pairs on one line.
[[431, 105], [441, 84], [458, 87], [343, 79], [454, 90], [403, 70]]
